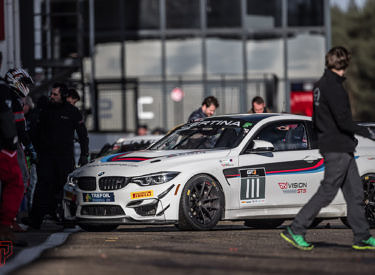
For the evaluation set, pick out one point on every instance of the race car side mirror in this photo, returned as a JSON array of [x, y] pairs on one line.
[[262, 146]]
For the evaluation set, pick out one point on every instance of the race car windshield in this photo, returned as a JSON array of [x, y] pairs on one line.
[[188, 137]]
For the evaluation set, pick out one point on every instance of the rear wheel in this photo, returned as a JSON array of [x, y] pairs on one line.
[[201, 204], [368, 182], [264, 224], [98, 227]]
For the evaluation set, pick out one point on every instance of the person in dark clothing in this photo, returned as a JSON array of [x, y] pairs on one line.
[[58, 121], [19, 81], [332, 120], [10, 173], [258, 106], [209, 106], [73, 96]]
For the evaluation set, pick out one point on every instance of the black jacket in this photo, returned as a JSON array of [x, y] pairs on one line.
[[55, 130], [8, 132], [332, 115], [197, 114]]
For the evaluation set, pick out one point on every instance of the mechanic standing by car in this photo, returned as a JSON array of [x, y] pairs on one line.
[[73, 97], [332, 120], [208, 108], [10, 172], [57, 123]]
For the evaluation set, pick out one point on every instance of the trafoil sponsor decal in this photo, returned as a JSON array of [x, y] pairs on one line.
[[98, 197]]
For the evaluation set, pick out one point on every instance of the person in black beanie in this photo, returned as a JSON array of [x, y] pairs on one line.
[[333, 123]]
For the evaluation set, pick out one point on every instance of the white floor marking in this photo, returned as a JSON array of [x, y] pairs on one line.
[[28, 255]]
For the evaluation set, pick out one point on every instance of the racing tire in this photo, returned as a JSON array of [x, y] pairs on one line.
[[263, 223], [98, 227], [368, 182], [201, 204]]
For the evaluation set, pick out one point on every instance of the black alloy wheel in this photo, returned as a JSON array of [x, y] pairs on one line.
[[201, 204]]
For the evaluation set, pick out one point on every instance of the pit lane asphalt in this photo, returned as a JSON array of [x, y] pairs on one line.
[[230, 248]]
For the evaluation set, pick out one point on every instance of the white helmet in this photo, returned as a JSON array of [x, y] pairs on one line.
[[19, 80]]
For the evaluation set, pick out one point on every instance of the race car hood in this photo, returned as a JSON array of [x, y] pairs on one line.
[[151, 161], [142, 158]]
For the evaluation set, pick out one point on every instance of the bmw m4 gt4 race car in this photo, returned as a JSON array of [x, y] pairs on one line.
[[259, 168]]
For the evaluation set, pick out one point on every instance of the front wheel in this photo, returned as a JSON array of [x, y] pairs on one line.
[[201, 204]]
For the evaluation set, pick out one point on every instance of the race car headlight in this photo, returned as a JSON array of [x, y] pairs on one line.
[[154, 179]]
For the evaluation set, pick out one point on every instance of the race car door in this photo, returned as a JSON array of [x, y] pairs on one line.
[[285, 177]]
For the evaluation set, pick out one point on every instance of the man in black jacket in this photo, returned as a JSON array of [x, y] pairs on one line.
[[335, 128], [58, 121], [208, 108]]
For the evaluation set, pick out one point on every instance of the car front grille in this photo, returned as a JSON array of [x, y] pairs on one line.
[[112, 183], [87, 183], [102, 210]]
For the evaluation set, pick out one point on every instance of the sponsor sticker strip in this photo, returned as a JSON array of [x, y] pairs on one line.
[[142, 194]]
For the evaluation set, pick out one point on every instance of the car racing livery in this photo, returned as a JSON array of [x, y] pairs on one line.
[[259, 168]]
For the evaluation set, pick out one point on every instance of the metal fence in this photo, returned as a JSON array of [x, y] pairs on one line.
[[123, 105]]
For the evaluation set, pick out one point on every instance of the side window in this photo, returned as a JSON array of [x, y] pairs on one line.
[[313, 137], [285, 136]]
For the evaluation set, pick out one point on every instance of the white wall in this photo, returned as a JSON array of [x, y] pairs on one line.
[[10, 47]]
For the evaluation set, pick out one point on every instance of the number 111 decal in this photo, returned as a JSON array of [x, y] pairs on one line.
[[253, 185]]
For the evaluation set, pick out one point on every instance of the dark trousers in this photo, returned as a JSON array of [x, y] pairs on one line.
[[52, 173], [340, 172]]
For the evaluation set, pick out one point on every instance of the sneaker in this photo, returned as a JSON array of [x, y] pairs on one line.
[[364, 245], [297, 241]]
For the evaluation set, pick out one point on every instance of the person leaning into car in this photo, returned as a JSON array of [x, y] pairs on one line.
[[58, 121], [333, 123], [208, 108]]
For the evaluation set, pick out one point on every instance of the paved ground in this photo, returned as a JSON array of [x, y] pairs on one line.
[[229, 249]]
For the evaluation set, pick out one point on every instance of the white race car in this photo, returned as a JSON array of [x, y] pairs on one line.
[[259, 168]]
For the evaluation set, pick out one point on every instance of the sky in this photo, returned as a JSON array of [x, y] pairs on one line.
[[344, 3]]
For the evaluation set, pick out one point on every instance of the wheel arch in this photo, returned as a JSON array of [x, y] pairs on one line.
[[216, 181]]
